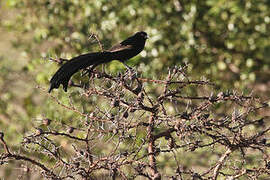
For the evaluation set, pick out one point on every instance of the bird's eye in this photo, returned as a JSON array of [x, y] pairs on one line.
[[144, 35]]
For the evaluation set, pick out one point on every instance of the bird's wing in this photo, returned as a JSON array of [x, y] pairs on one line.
[[126, 44], [120, 47]]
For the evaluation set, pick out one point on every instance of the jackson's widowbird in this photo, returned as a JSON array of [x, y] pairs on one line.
[[121, 52]]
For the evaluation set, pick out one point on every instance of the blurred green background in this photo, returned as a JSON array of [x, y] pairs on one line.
[[226, 42]]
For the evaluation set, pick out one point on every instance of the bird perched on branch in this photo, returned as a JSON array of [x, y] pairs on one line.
[[121, 52]]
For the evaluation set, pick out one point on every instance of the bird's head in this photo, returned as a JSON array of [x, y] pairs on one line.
[[142, 34]]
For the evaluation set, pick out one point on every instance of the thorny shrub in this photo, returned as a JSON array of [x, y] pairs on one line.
[[170, 128]]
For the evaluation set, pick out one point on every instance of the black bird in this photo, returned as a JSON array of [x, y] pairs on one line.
[[121, 52]]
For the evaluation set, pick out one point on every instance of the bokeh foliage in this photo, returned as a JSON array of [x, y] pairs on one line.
[[224, 40]]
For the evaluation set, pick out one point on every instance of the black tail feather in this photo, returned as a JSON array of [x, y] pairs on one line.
[[65, 72]]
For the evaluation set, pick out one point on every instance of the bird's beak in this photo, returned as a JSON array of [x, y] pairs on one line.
[[146, 37]]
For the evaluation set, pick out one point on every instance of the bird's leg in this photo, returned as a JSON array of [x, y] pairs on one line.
[[130, 69], [89, 71], [103, 68], [132, 72]]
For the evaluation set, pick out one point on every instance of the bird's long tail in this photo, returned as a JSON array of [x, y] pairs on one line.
[[65, 72]]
